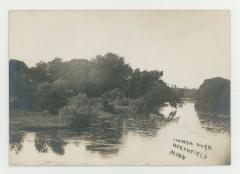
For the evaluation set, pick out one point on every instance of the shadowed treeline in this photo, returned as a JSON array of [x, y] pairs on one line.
[[88, 90], [50, 85], [84, 91]]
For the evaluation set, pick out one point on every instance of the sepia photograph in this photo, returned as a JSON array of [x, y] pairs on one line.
[[119, 87]]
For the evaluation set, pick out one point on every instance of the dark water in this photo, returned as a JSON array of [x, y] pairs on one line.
[[145, 140]]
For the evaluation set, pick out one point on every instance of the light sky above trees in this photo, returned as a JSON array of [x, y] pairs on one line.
[[189, 46]]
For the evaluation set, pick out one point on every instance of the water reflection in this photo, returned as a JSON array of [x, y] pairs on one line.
[[214, 122], [147, 126], [45, 140], [109, 137], [105, 136], [16, 140]]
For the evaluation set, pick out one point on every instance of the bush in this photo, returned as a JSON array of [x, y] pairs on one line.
[[81, 110], [52, 96], [157, 95], [81, 120], [123, 102], [110, 99], [81, 103], [107, 106], [137, 106], [113, 95]]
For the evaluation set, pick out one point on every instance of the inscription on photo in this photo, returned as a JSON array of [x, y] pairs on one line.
[[182, 148]]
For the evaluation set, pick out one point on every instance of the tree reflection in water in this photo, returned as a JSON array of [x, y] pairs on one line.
[[103, 136], [16, 141], [45, 140], [214, 122], [107, 135], [41, 145], [146, 126]]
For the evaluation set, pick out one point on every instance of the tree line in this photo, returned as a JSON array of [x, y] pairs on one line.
[[52, 85]]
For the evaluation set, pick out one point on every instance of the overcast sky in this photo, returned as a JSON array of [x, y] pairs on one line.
[[189, 46]]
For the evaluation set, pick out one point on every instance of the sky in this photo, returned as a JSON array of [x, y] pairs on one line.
[[188, 46]]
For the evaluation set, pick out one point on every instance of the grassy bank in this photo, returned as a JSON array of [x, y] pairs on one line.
[[20, 119]]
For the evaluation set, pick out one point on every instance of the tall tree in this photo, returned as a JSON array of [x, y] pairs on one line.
[[19, 84], [214, 95]]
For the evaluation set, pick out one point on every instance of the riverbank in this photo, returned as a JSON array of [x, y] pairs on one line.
[[32, 120]]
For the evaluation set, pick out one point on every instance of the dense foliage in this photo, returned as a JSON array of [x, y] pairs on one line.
[[52, 85], [214, 95], [19, 85]]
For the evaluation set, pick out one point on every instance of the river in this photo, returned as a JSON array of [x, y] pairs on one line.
[[189, 138]]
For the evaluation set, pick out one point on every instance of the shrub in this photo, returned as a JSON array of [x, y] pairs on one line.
[[113, 95], [123, 102], [110, 99], [81, 120], [137, 106], [107, 106], [81, 103], [52, 96], [157, 95], [80, 110]]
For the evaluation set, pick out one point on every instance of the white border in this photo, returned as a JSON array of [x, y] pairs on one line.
[[233, 5]]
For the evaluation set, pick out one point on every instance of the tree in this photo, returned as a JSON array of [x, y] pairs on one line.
[[39, 73], [157, 95], [76, 72], [214, 95], [49, 86], [19, 84], [141, 82], [55, 68], [108, 72], [53, 96]]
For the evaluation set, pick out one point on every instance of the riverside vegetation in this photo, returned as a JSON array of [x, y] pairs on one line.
[[79, 93], [214, 96]]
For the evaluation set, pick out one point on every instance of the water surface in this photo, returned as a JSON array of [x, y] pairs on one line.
[[143, 140]]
